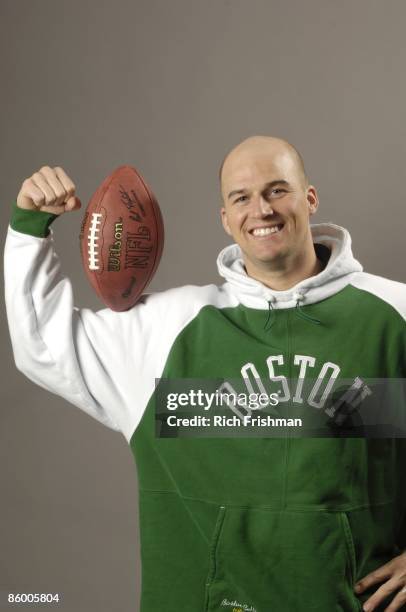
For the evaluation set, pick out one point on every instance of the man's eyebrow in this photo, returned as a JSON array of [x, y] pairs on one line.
[[270, 184]]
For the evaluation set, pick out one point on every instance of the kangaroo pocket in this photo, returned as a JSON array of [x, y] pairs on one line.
[[263, 560]]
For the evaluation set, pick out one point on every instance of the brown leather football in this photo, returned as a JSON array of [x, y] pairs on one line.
[[121, 238]]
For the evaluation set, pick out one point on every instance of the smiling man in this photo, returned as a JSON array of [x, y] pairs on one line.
[[267, 204], [264, 522]]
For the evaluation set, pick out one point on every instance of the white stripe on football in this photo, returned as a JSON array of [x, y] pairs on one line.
[[93, 241]]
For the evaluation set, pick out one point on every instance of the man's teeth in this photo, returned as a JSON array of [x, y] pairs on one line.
[[264, 231]]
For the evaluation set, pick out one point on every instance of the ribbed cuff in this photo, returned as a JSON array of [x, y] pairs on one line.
[[32, 222]]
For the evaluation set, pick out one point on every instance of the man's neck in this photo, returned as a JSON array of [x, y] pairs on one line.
[[283, 278]]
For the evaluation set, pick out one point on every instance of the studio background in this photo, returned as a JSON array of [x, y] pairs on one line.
[[170, 87]]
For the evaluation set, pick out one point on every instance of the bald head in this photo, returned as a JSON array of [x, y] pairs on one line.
[[269, 147]]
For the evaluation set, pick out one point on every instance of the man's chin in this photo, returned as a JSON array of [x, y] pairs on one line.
[[266, 261], [269, 255], [265, 254]]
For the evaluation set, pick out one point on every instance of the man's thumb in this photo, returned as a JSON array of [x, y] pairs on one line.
[[72, 204]]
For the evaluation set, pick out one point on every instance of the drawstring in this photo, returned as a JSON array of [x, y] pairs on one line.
[[299, 311], [270, 313]]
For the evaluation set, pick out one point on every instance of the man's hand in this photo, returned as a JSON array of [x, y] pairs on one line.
[[48, 190], [394, 574]]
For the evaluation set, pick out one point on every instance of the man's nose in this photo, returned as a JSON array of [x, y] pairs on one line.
[[261, 207]]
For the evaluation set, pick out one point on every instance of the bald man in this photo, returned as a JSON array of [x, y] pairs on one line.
[[276, 244], [268, 501]]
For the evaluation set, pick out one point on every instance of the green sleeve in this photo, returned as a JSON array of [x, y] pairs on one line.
[[33, 222]]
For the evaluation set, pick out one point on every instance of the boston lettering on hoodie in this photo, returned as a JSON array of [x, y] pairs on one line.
[[230, 524]]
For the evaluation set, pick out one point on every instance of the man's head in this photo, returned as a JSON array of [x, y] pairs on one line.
[[267, 202]]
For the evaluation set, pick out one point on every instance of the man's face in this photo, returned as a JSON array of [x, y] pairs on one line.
[[266, 206]]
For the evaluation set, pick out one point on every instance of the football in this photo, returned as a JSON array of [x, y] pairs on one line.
[[121, 238]]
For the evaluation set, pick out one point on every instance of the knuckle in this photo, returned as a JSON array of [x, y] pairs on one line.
[[46, 168], [39, 198], [60, 191]]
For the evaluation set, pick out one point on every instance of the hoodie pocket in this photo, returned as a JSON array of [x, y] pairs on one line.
[[352, 561], [262, 560], [213, 553]]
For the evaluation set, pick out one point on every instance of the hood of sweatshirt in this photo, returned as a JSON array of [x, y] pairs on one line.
[[337, 273]]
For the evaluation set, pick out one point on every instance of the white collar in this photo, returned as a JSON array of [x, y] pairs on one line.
[[334, 277]]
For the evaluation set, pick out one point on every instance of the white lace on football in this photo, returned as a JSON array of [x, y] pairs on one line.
[[92, 241]]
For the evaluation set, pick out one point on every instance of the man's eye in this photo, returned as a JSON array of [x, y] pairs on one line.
[[241, 198]]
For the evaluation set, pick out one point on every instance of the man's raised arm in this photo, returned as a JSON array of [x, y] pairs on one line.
[[92, 359]]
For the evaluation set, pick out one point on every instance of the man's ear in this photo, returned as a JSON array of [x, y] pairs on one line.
[[312, 199], [224, 220]]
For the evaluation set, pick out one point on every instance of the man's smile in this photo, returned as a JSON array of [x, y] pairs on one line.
[[266, 231]]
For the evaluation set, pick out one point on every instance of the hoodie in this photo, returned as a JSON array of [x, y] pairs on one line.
[[230, 523]]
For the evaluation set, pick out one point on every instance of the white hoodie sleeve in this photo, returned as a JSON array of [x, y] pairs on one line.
[[106, 363], [92, 359]]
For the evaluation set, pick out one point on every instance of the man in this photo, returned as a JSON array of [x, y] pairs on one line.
[[235, 523]]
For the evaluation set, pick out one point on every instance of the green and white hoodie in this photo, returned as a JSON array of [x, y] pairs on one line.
[[230, 524]]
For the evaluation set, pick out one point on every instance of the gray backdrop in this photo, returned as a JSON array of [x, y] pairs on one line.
[[169, 87]]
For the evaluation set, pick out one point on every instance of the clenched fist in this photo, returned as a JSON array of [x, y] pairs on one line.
[[48, 190]]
